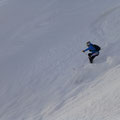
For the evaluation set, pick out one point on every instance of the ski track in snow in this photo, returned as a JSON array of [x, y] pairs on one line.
[[100, 104]]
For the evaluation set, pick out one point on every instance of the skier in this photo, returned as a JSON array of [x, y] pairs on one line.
[[94, 51]]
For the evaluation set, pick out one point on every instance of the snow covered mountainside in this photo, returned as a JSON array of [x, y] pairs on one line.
[[43, 73]]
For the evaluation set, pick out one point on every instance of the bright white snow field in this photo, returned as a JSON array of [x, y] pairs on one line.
[[43, 73]]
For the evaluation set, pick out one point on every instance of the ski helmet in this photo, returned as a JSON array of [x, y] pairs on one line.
[[88, 43]]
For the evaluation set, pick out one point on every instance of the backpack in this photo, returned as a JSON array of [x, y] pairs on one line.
[[97, 47]]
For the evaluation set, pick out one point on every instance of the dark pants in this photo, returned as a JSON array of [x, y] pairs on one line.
[[91, 56]]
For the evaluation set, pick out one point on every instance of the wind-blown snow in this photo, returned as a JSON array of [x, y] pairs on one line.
[[43, 73]]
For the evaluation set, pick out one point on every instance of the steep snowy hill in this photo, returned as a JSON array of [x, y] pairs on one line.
[[43, 73]]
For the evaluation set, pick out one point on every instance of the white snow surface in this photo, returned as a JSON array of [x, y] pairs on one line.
[[43, 73]]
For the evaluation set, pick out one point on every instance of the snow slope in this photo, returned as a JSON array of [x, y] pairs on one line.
[[43, 73]]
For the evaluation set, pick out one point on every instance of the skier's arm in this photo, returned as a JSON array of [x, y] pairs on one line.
[[86, 49]]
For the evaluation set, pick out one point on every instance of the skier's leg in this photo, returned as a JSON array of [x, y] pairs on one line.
[[93, 56], [89, 56]]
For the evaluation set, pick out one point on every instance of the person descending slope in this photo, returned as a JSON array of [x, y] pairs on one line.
[[94, 51]]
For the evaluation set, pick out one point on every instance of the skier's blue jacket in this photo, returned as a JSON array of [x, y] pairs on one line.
[[91, 49]]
